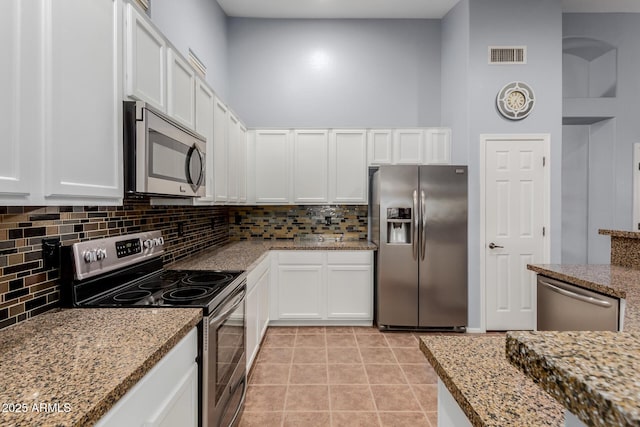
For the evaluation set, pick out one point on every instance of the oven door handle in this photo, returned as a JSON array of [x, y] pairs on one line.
[[239, 298]]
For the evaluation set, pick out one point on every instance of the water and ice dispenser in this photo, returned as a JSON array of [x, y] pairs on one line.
[[399, 225]]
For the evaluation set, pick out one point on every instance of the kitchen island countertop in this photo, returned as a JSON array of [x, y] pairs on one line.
[[81, 361], [489, 390], [246, 254]]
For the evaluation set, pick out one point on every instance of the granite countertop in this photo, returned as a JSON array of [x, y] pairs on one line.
[[612, 280], [83, 360], [246, 254], [620, 233], [488, 389], [595, 375]]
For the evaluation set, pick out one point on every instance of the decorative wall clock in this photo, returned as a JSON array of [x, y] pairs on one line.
[[515, 100]]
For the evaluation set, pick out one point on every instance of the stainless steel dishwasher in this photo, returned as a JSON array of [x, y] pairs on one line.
[[566, 307]]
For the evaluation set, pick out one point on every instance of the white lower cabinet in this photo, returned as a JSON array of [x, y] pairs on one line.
[[166, 396], [257, 308], [322, 287]]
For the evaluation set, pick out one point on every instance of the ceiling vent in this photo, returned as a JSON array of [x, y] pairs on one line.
[[197, 64], [507, 54]]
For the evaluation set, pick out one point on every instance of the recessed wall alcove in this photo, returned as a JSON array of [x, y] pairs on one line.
[[589, 68]]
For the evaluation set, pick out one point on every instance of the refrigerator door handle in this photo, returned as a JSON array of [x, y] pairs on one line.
[[415, 225], [423, 215]]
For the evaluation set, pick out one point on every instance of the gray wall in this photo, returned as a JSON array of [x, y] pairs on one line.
[[538, 25], [335, 73], [623, 32], [199, 25]]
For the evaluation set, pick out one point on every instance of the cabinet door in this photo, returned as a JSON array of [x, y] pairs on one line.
[[408, 146], [349, 292], [252, 301], [21, 90], [348, 166], [233, 133], [263, 303], [220, 146], [300, 293], [438, 146], [310, 165], [181, 83], [145, 60], [379, 146], [272, 160], [82, 102], [204, 126], [241, 164]]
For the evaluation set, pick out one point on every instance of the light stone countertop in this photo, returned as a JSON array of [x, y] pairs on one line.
[[612, 280], [247, 254], [84, 360], [595, 375], [488, 389]]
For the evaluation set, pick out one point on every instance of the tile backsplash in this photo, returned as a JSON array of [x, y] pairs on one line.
[[28, 288], [288, 222]]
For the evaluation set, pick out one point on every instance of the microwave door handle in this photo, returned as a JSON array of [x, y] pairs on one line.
[[194, 185]]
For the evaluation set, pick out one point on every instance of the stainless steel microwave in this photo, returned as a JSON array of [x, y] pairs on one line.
[[161, 157]]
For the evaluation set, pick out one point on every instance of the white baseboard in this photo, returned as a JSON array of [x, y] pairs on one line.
[[476, 331]]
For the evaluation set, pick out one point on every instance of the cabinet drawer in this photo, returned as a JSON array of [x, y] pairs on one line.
[[300, 257], [349, 257]]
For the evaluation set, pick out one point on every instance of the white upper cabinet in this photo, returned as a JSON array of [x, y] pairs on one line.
[[181, 83], [438, 146], [233, 137], [310, 166], [408, 146], [241, 164], [348, 166], [271, 166], [380, 146], [220, 150], [146, 60], [204, 126]]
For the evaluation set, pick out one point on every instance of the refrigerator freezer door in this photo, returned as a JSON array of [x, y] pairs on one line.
[[443, 258], [398, 247]]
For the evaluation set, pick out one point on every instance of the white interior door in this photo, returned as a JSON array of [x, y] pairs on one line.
[[514, 229]]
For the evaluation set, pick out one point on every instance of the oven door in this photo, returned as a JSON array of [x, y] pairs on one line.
[[175, 159], [226, 380]]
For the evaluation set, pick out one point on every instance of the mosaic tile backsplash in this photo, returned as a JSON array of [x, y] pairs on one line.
[[288, 222], [28, 288]]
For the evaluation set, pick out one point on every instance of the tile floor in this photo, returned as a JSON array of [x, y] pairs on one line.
[[340, 376]]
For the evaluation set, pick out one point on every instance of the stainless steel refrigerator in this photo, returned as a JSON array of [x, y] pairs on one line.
[[418, 219]]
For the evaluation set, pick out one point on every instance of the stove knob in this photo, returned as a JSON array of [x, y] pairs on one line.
[[89, 256], [148, 244], [101, 254], [161, 240], [157, 241]]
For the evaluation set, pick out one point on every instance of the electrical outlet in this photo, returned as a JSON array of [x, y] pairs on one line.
[[180, 229], [51, 253]]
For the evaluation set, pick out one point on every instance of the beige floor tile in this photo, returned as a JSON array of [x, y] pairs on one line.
[[385, 374], [270, 374], [303, 340], [351, 398], [347, 374], [377, 355], [409, 355], [309, 355], [307, 398], [341, 340], [401, 339], [308, 374], [311, 330], [282, 330], [420, 373], [354, 419], [344, 355], [403, 419], [427, 395], [307, 419], [279, 340], [275, 355], [260, 419], [394, 398], [263, 398], [359, 330], [371, 340], [339, 330], [433, 418]]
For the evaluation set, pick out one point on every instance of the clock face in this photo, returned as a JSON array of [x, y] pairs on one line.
[[515, 101]]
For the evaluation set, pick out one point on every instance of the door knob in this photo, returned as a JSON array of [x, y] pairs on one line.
[[493, 246]]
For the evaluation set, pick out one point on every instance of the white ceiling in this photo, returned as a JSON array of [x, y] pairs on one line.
[[422, 9]]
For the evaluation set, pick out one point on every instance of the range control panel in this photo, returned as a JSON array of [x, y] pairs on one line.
[[99, 256]]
